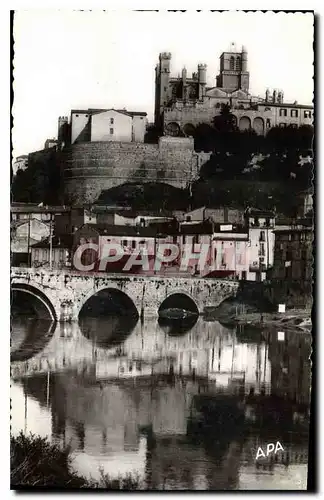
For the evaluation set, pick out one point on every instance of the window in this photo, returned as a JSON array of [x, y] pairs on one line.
[[111, 121], [268, 123], [262, 236], [238, 64], [165, 89], [36, 254], [232, 63], [262, 252], [111, 131], [243, 275], [307, 114], [283, 112], [294, 113], [289, 237]]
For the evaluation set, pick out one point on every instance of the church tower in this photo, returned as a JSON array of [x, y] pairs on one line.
[[233, 73], [162, 77]]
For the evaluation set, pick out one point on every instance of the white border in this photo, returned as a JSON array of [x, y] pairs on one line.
[[317, 5]]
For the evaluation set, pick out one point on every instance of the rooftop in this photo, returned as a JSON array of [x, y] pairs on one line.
[[93, 111]]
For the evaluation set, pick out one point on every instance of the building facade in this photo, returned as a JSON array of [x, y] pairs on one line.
[[292, 272], [183, 102], [104, 125]]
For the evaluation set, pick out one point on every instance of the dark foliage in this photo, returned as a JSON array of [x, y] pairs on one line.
[[41, 181], [35, 463], [148, 196]]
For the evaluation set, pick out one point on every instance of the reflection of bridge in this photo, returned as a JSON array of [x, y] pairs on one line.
[[62, 294], [209, 350]]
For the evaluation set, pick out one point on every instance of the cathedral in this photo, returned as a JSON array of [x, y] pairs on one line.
[[183, 102]]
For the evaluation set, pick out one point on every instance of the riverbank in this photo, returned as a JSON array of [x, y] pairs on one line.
[[297, 319], [37, 464]]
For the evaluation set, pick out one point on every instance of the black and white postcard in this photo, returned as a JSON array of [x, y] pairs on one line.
[[162, 250]]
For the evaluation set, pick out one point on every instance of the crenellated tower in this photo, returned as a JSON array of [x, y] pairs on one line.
[[162, 90]]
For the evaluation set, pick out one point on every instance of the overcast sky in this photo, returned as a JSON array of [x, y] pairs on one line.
[[94, 59]]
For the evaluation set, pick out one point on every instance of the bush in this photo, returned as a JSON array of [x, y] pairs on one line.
[[35, 463]]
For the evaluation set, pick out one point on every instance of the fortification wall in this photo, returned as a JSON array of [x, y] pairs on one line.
[[88, 168]]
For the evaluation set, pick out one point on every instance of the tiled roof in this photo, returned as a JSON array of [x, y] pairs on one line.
[[64, 241]]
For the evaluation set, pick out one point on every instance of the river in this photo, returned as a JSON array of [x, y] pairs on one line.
[[181, 409]]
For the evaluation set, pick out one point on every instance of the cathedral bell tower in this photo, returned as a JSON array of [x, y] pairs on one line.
[[233, 73]]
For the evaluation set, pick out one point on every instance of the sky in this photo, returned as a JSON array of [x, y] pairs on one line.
[[65, 59]]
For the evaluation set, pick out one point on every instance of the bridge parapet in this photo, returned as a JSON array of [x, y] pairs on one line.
[[65, 292]]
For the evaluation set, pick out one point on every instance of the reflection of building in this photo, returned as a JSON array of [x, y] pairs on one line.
[[290, 367], [181, 103], [244, 363]]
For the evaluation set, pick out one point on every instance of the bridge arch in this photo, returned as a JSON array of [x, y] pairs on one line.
[[43, 306], [109, 287], [180, 298]]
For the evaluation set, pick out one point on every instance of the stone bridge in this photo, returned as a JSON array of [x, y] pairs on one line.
[[62, 294]]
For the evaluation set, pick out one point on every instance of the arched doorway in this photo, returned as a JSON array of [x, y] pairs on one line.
[[189, 129], [173, 129], [244, 123], [258, 125]]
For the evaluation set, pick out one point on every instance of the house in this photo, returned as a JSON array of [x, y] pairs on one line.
[[261, 243], [292, 271], [24, 234], [44, 213], [221, 215], [102, 125], [229, 251], [54, 254]]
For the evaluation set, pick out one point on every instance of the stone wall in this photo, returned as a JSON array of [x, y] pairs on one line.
[[88, 168]]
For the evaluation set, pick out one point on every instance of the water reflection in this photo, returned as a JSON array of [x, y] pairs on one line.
[[29, 336], [186, 411], [112, 330]]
